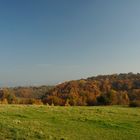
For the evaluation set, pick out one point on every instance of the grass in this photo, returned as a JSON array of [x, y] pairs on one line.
[[69, 123]]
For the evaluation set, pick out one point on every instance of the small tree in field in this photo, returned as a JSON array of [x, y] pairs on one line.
[[67, 103]]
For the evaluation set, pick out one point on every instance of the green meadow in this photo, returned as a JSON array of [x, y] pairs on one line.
[[23, 122]]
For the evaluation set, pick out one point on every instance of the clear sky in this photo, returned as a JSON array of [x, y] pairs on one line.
[[51, 41]]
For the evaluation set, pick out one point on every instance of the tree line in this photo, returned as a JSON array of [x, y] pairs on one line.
[[115, 89]]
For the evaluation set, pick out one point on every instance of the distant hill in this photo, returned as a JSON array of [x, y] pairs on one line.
[[115, 89], [23, 95]]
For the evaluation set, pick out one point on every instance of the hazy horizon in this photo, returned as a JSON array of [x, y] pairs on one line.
[[47, 42]]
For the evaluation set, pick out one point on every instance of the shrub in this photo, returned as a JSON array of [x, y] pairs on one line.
[[135, 103], [103, 100]]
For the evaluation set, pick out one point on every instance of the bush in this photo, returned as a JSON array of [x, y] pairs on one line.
[[135, 103], [103, 100]]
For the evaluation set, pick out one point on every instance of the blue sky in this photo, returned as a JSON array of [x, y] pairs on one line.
[[51, 41]]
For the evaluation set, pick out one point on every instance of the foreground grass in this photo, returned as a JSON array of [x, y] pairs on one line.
[[69, 123]]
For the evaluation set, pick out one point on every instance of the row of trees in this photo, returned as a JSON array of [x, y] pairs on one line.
[[23, 95]]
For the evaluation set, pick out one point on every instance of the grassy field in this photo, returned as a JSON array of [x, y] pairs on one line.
[[69, 123]]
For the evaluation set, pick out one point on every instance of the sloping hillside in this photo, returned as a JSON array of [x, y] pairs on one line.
[[101, 90]]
